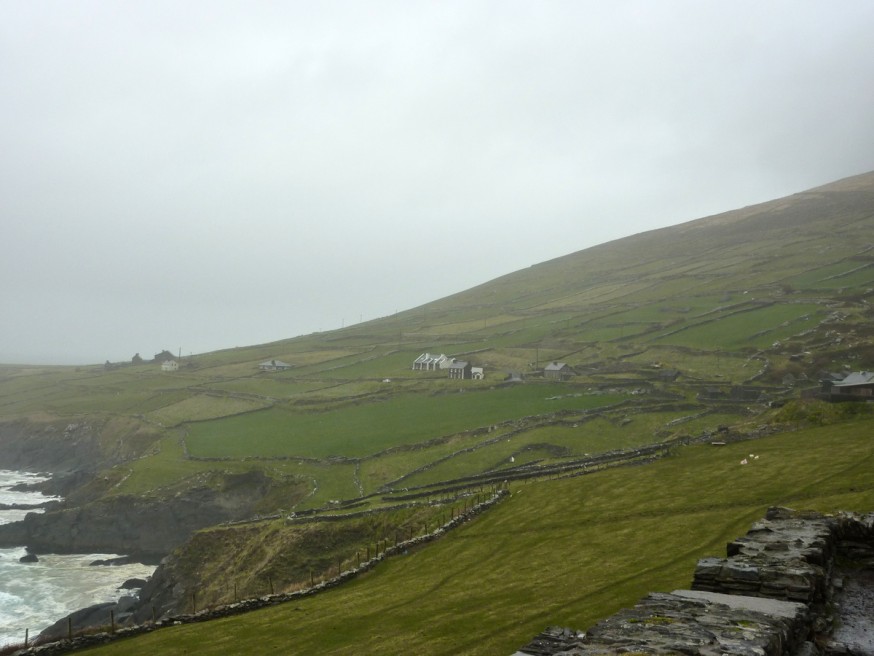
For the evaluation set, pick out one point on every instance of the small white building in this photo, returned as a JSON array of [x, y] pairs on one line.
[[169, 365], [477, 373]]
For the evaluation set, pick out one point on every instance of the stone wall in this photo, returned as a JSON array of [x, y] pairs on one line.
[[782, 589], [77, 642]]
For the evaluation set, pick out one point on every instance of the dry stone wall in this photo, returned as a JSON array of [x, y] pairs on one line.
[[781, 590], [77, 642]]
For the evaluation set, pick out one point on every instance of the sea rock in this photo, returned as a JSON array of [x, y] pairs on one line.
[[112, 562], [29, 557], [97, 615]]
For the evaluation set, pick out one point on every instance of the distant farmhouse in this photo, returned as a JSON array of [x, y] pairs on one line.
[[164, 356], [558, 371], [274, 365], [459, 369], [431, 362], [169, 365], [858, 386]]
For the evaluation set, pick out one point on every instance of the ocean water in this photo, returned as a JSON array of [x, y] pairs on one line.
[[34, 596]]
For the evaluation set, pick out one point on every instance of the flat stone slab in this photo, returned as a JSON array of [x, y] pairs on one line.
[[774, 607], [687, 622]]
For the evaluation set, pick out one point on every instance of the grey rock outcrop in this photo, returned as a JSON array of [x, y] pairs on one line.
[[142, 527], [777, 592]]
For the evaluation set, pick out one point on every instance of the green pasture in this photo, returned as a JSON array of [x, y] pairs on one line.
[[564, 552], [754, 328], [372, 427], [391, 465], [165, 467], [202, 407], [610, 332], [556, 442], [383, 365], [840, 274], [699, 364], [267, 385]]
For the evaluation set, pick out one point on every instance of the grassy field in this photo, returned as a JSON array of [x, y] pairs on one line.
[[565, 552], [372, 427]]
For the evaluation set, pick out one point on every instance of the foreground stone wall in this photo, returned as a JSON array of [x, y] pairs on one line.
[[781, 590]]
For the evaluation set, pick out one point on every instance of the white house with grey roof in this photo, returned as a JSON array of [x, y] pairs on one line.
[[274, 365], [431, 362]]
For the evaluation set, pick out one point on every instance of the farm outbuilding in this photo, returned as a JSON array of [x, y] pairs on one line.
[[858, 386], [558, 371]]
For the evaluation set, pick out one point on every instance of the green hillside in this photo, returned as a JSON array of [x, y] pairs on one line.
[[565, 552], [707, 331]]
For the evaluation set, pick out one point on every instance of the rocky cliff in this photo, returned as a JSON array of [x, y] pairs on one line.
[[146, 527], [87, 444]]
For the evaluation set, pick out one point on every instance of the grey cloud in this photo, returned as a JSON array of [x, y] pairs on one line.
[[260, 170]]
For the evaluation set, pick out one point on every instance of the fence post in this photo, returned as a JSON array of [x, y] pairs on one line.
[[69, 628], [26, 637], [235, 592], [270, 581], [194, 602], [312, 580], [112, 621]]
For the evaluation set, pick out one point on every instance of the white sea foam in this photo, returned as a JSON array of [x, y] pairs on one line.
[[8, 496], [35, 595]]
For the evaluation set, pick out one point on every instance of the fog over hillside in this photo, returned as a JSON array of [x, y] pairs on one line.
[[211, 174]]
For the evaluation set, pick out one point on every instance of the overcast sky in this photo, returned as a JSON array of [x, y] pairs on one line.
[[209, 174]]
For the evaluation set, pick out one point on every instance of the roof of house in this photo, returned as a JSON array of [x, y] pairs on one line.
[[458, 364], [274, 363], [429, 357], [555, 366], [856, 378]]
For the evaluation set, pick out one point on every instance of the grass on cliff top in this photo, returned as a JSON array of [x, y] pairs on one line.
[[566, 552]]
